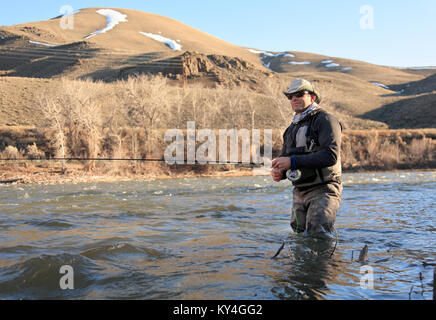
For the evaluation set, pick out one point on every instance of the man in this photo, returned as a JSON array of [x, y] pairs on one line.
[[311, 159]]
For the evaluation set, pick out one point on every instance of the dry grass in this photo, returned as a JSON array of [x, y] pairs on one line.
[[128, 120], [422, 149], [389, 149], [11, 152], [33, 153]]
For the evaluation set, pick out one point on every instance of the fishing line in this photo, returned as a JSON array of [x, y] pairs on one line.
[[176, 162]]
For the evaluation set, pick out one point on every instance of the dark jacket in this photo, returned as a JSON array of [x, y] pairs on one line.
[[323, 131]]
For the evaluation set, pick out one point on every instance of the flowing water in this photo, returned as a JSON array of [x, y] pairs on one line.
[[213, 238]]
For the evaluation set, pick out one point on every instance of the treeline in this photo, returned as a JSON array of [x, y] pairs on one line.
[[128, 120], [389, 149], [361, 150]]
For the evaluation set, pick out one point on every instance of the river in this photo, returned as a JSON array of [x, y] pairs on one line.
[[213, 238]]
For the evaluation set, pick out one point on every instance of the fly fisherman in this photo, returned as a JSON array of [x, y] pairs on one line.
[[310, 158]]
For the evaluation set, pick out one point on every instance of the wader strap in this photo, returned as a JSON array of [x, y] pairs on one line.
[[309, 135]]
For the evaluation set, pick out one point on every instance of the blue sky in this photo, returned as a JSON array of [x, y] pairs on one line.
[[385, 32]]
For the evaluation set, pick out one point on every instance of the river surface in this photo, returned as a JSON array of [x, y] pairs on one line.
[[213, 238]]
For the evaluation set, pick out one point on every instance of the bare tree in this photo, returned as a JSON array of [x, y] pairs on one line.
[[74, 112], [147, 101], [274, 90], [54, 114]]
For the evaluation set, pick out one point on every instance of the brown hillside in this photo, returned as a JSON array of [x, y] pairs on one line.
[[17, 98], [358, 93], [414, 112], [325, 64], [425, 85], [208, 69], [125, 36]]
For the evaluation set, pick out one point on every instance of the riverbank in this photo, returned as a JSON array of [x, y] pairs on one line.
[[52, 173], [26, 155], [46, 173]]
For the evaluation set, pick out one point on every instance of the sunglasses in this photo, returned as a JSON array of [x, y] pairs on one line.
[[297, 94]]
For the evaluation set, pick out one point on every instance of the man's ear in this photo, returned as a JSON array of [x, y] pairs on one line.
[[313, 98]]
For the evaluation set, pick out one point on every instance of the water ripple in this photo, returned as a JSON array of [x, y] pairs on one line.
[[212, 238]]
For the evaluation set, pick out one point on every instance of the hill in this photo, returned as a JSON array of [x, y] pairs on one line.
[[129, 39], [113, 44], [128, 35]]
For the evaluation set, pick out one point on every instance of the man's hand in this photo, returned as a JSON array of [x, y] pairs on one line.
[[283, 163], [277, 174]]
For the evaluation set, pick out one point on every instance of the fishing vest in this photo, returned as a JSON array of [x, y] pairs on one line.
[[303, 140]]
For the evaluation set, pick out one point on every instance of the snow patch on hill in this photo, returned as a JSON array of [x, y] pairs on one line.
[[174, 45], [267, 56], [113, 18], [299, 62], [43, 44], [330, 64], [271, 55], [380, 85]]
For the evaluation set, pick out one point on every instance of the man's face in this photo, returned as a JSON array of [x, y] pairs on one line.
[[300, 101]]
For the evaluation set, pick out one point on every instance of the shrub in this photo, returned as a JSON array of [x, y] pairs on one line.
[[421, 149], [10, 152], [32, 152]]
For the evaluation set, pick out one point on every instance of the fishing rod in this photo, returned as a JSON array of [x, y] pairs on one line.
[[176, 161]]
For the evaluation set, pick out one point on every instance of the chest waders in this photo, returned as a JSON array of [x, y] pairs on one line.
[[306, 177]]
